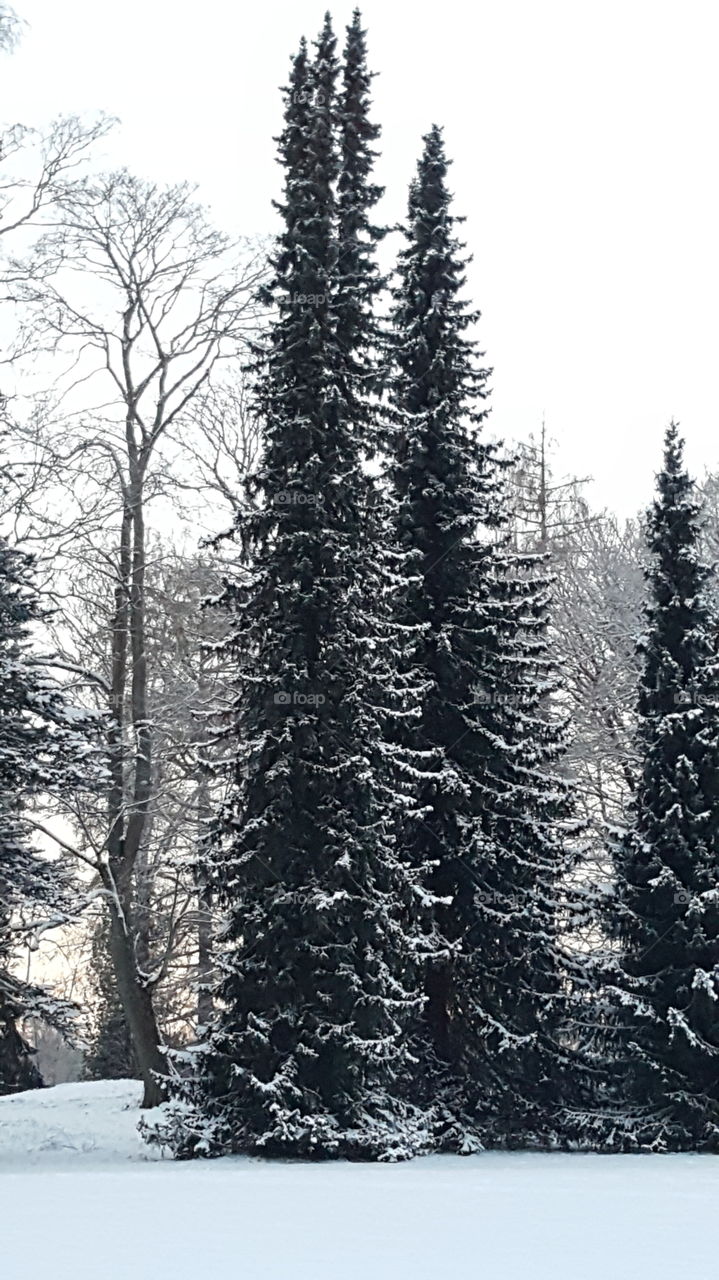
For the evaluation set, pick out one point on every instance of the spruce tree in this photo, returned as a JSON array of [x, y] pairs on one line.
[[43, 748], [664, 912], [308, 1054], [491, 816]]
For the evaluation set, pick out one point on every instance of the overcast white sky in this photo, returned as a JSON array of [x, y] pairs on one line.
[[584, 137]]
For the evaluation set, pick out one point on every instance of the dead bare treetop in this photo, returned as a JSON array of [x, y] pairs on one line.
[[134, 284], [39, 167]]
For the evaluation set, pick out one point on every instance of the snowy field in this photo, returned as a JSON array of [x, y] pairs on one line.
[[82, 1200]]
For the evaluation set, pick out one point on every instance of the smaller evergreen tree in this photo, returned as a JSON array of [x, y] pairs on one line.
[[491, 815], [663, 914], [44, 747], [18, 1069]]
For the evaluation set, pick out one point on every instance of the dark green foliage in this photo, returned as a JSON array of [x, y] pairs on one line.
[[309, 1053], [359, 280], [43, 747], [491, 816], [664, 912], [18, 1070]]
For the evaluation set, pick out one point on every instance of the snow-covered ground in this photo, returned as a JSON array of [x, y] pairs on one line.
[[84, 1201]]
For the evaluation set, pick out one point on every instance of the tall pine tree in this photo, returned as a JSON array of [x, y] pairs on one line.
[[491, 816], [308, 1055], [664, 912]]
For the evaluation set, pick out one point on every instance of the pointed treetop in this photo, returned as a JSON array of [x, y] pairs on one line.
[[325, 65], [326, 39], [434, 145], [358, 132], [298, 78], [432, 165], [355, 31], [673, 447], [297, 95], [675, 487]]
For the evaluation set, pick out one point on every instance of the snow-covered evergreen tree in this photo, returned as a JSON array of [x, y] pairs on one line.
[[319, 981], [43, 747], [664, 911], [491, 815]]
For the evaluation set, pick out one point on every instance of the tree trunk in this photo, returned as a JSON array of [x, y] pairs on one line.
[[438, 989], [127, 815], [137, 1004], [205, 1003]]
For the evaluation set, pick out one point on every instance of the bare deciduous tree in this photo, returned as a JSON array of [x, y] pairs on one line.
[[40, 168], [145, 298]]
